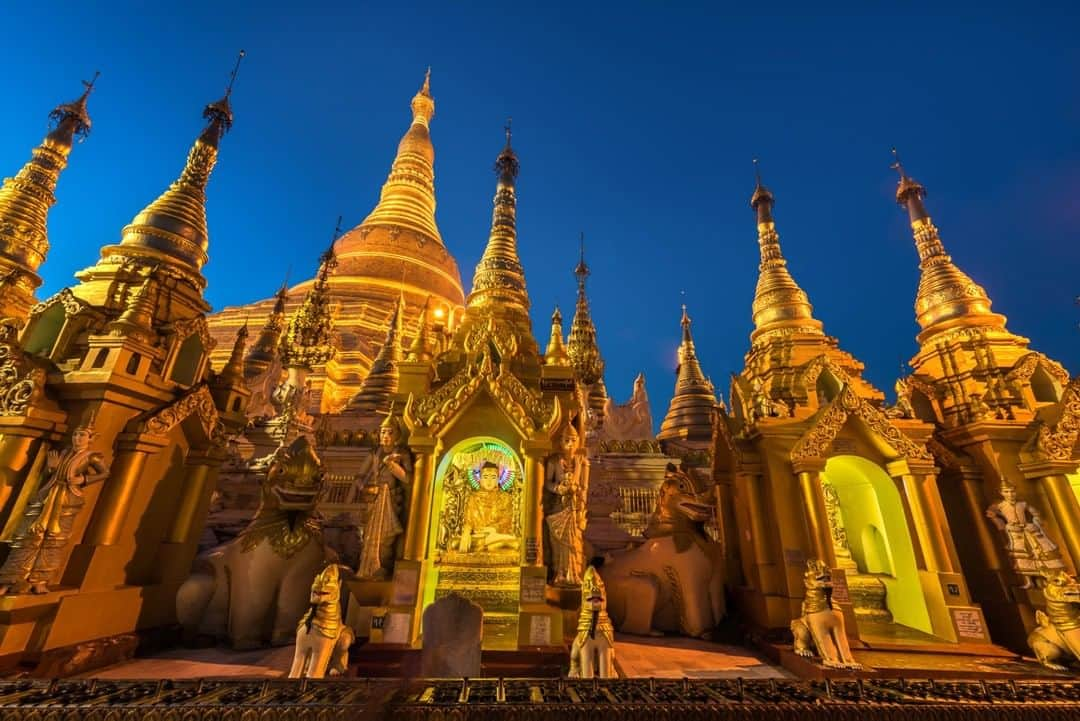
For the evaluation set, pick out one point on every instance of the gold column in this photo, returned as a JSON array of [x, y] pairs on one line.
[[534, 512], [17, 454], [816, 516], [1066, 511], [190, 501], [416, 528], [921, 495], [973, 499], [112, 505]]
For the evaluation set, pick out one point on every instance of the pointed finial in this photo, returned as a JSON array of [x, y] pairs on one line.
[[897, 165], [327, 261], [232, 75], [909, 192], [73, 117], [90, 85], [508, 131], [426, 89], [762, 199], [582, 270], [757, 172]]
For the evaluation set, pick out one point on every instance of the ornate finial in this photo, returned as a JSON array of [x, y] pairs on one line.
[[232, 75], [508, 130], [897, 165], [327, 261], [582, 270], [685, 322], [507, 165], [426, 89], [757, 172], [909, 192], [762, 199], [75, 114]]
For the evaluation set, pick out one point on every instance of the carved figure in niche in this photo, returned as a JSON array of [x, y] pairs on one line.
[[903, 407], [37, 549], [488, 523], [674, 582], [322, 640], [977, 408], [762, 406], [592, 654], [1057, 631], [253, 589], [565, 485], [821, 626], [1029, 548], [388, 483]]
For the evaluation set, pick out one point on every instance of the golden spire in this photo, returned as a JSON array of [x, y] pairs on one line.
[[947, 297], [556, 352], [265, 347], [582, 347], [233, 372], [308, 339], [24, 207], [690, 414], [138, 318], [418, 351], [381, 383], [779, 302], [173, 227], [499, 279], [408, 196]]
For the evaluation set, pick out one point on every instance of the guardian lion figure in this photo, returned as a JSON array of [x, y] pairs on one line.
[[322, 640], [821, 626], [592, 654], [1057, 631]]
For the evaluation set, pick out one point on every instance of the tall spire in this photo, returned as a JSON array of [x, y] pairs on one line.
[[499, 279], [264, 349], [947, 297], [556, 351], [581, 346], [308, 339], [690, 414], [408, 196], [233, 372], [381, 383], [24, 206], [420, 348], [173, 227], [779, 302]]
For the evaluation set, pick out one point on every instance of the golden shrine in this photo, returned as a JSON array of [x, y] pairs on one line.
[[428, 429]]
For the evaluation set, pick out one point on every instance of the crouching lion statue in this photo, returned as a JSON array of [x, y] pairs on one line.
[[1056, 635], [252, 590], [674, 581], [821, 626]]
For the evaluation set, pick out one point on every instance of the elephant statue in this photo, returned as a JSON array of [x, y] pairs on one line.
[[672, 583], [252, 590], [322, 640]]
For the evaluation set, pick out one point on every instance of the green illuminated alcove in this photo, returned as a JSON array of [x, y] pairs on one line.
[[877, 532]]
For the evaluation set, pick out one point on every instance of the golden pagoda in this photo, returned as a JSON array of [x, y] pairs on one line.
[[582, 347], [691, 414], [810, 466], [396, 252], [24, 207]]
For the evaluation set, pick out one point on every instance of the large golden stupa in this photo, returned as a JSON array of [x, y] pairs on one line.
[[396, 252]]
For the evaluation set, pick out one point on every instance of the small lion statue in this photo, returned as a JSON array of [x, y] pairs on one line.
[[1057, 631], [322, 640], [592, 654], [821, 626]]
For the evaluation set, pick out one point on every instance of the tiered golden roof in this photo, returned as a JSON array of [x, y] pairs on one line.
[[24, 207], [582, 346], [690, 414], [381, 383], [308, 339]]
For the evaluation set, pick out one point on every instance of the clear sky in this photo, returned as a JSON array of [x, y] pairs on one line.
[[635, 122]]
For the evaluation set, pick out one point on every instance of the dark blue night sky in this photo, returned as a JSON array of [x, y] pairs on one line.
[[634, 122]]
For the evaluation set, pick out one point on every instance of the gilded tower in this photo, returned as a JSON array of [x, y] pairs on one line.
[[811, 466], [692, 410], [24, 207], [115, 370], [396, 252], [1006, 416], [582, 347]]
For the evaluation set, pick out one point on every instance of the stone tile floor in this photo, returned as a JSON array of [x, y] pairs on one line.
[[184, 663]]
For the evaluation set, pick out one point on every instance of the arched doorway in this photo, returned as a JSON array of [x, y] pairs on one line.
[[877, 533]]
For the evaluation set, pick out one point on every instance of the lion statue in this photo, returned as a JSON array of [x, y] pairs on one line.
[[1056, 635], [673, 582], [821, 626], [322, 640], [254, 589]]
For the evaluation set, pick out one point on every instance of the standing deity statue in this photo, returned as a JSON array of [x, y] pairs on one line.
[[37, 549], [1031, 551], [387, 482], [566, 486], [488, 522]]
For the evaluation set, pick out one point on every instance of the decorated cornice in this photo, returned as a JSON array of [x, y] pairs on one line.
[[1023, 369], [816, 442], [197, 402], [182, 329]]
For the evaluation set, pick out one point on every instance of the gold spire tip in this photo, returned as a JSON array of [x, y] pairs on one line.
[[426, 89], [232, 75], [90, 84], [897, 165], [508, 131], [757, 172]]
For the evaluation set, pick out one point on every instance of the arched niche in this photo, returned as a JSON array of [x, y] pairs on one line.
[[1044, 387], [188, 362], [828, 387], [41, 337], [877, 532], [923, 406]]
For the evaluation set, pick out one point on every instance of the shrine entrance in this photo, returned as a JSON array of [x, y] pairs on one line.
[[873, 545], [476, 531]]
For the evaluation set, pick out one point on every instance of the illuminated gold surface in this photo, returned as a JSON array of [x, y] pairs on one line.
[[690, 414]]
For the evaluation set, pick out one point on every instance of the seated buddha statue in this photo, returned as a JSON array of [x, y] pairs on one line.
[[488, 522]]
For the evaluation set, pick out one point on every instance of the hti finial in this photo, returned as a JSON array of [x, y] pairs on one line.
[[426, 89], [582, 270], [90, 84], [337, 229], [757, 172], [232, 75], [897, 165], [508, 131]]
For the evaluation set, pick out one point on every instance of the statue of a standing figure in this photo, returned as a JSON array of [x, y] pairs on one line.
[[1031, 551], [388, 482], [37, 548], [566, 486]]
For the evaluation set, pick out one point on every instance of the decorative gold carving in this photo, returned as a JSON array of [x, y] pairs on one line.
[[816, 443], [1023, 369], [197, 401], [183, 329], [1057, 442], [21, 381]]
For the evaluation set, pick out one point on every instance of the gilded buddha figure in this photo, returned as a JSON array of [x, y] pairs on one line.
[[38, 546], [489, 516]]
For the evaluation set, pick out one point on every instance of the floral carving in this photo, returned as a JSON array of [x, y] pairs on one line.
[[21, 382], [816, 443], [1056, 442], [182, 329], [197, 402]]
